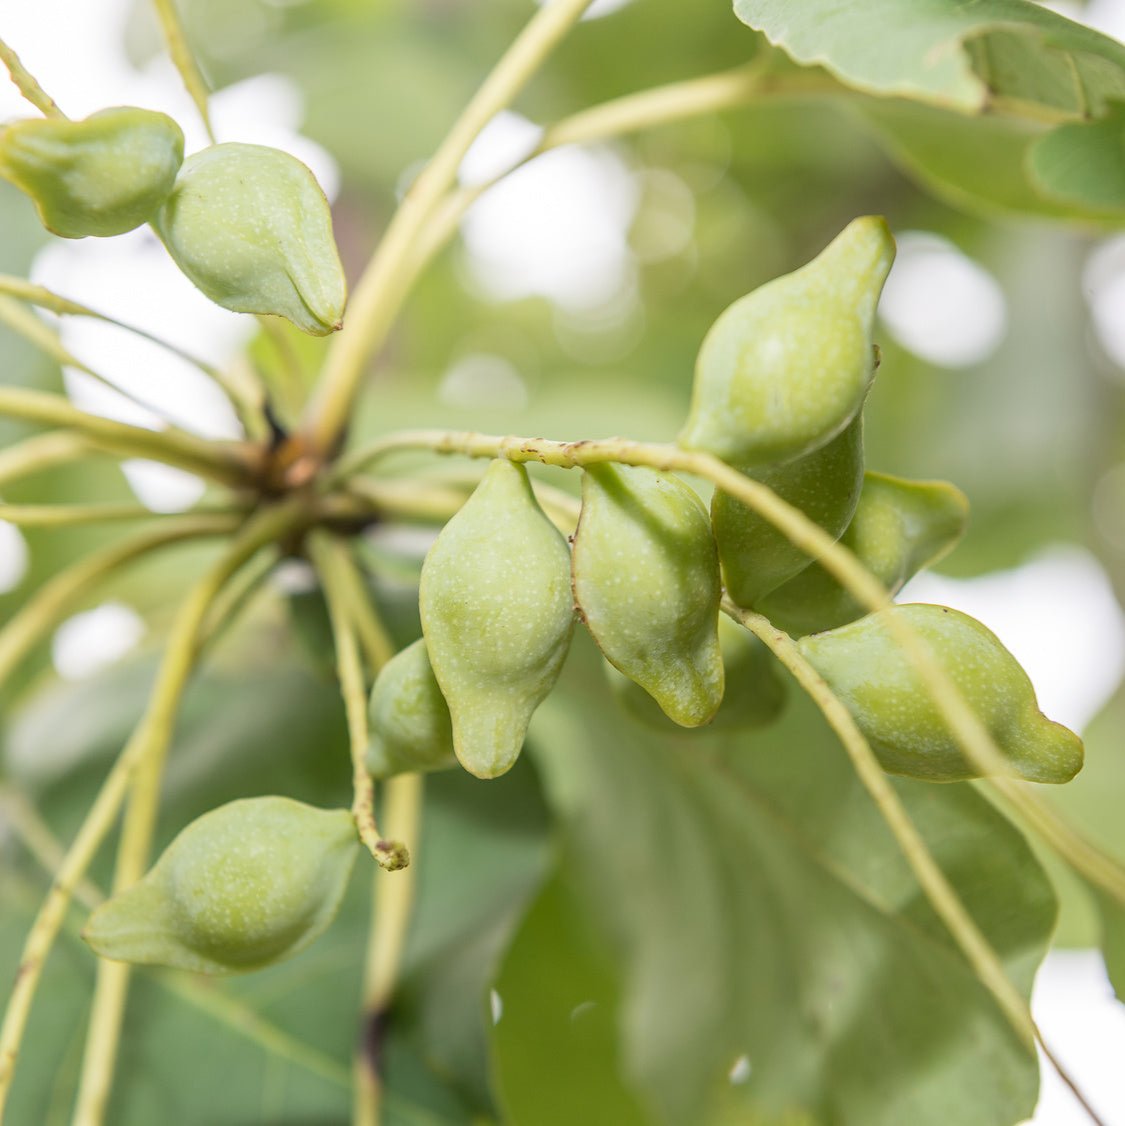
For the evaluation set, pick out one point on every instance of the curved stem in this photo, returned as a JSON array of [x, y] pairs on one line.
[[328, 556], [974, 738], [149, 748], [377, 645], [27, 85], [227, 462], [385, 283], [939, 892], [56, 596], [184, 59], [41, 451]]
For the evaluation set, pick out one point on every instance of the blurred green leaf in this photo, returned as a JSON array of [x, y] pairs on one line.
[[1083, 164], [991, 54]]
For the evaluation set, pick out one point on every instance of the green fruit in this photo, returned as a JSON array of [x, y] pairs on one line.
[[865, 667], [242, 887], [410, 726], [787, 367], [251, 228], [646, 583], [825, 485], [754, 694], [497, 615], [102, 176], [899, 527]]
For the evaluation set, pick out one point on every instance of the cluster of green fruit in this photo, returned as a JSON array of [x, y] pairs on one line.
[[247, 224], [780, 387]]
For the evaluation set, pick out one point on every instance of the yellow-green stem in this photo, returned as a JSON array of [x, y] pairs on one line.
[[26, 83], [56, 596], [392, 906], [385, 283], [939, 892], [329, 556], [230, 463], [974, 738], [184, 59], [152, 738], [39, 452], [74, 515]]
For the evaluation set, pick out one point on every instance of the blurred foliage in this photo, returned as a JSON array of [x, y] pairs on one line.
[[649, 911]]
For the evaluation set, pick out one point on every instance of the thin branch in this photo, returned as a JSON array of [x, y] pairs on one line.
[[39, 452], [76, 515], [328, 555], [385, 283], [184, 59], [26, 83], [230, 463]]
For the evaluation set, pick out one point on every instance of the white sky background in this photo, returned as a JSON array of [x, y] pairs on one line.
[[1057, 612]]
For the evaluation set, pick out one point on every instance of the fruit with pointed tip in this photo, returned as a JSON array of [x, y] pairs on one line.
[[899, 527], [866, 668], [409, 718], [646, 583], [497, 616], [785, 368], [103, 175], [250, 227], [244, 886]]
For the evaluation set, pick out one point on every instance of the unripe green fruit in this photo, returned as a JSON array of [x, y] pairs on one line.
[[865, 667], [785, 368], [899, 527], [102, 176], [410, 726], [754, 695], [497, 615], [251, 228], [825, 485], [646, 582], [242, 887]]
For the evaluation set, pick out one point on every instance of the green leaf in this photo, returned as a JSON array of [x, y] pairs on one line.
[[759, 908], [1113, 939], [1083, 164], [1005, 55], [555, 1041]]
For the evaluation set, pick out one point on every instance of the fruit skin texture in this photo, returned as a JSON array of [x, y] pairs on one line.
[[497, 616], [646, 582], [244, 886], [785, 368], [899, 527], [825, 485], [754, 695], [250, 227], [100, 176], [410, 725], [865, 667]]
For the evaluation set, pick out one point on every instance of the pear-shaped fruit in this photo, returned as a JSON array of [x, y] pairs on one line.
[[899, 527], [787, 367], [754, 695], [102, 176], [825, 485], [866, 668], [250, 227], [242, 887], [646, 582], [410, 725], [497, 615]]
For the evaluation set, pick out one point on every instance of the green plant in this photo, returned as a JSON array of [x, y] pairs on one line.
[[651, 909]]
